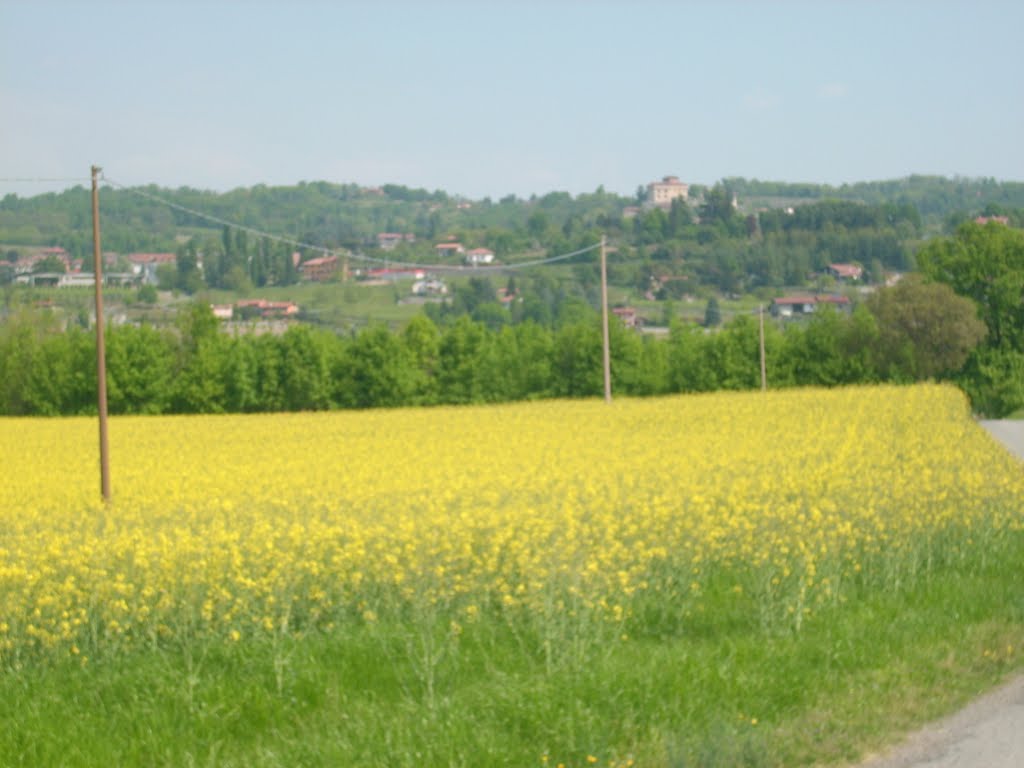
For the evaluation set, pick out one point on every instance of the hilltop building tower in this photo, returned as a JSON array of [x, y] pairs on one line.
[[662, 193]]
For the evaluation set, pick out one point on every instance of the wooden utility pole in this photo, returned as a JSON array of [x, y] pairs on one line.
[[604, 324], [101, 352], [764, 368]]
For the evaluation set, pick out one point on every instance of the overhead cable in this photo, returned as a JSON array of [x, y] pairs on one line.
[[357, 256]]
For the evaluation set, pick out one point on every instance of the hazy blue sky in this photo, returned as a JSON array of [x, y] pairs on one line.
[[490, 98]]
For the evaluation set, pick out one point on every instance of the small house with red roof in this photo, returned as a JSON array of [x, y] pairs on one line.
[[319, 269], [449, 249], [845, 272], [628, 316]]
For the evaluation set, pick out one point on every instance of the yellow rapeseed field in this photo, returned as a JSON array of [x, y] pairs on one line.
[[232, 526]]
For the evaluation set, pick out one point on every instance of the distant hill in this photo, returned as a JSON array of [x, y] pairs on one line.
[[935, 197], [347, 215]]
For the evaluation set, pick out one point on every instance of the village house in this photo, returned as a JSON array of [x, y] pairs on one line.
[[429, 287], [628, 316], [145, 265], [983, 220], [845, 272], [27, 263], [319, 269], [796, 306], [449, 249], [478, 256], [388, 241], [263, 308]]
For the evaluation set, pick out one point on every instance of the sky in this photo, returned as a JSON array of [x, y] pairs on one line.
[[485, 99]]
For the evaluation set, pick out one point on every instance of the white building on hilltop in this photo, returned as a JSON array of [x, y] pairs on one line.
[[662, 193]]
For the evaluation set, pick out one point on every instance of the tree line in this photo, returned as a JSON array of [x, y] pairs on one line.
[[962, 319], [197, 368]]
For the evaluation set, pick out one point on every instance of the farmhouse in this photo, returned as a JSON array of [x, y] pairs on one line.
[[429, 287], [388, 241], [319, 269], [263, 308], [795, 306], [144, 265], [478, 256], [845, 272], [449, 249], [628, 316]]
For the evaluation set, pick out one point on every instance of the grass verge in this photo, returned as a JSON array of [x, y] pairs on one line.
[[715, 690]]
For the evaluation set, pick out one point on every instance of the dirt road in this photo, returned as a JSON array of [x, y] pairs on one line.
[[988, 733]]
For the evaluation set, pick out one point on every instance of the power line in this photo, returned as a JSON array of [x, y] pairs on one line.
[[357, 256], [38, 180]]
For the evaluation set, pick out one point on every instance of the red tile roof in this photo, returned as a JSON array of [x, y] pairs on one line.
[[151, 258]]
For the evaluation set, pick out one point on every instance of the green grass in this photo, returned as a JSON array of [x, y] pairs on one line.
[[338, 305], [714, 689]]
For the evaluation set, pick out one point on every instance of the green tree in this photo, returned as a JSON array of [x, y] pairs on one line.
[[735, 354], [689, 368], [526, 362], [140, 369], [461, 355], [378, 369], [199, 382], [718, 205], [925, 329], [986, 264], [679, 218], [49, 264], [994, 380], [306, 368], [44, 370], [188, 279], [241, 373], [422, 338], [147, 294], [814, 353], [577, 367], [712, 313]]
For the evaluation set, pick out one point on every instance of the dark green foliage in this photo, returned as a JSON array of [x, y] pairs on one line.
[[712, 313], [47, 370], [985, 263], [381, 369], [140, 369], [994, 380], [925, 329]]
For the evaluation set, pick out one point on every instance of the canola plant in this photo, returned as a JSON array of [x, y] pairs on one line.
[[228, 527]]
